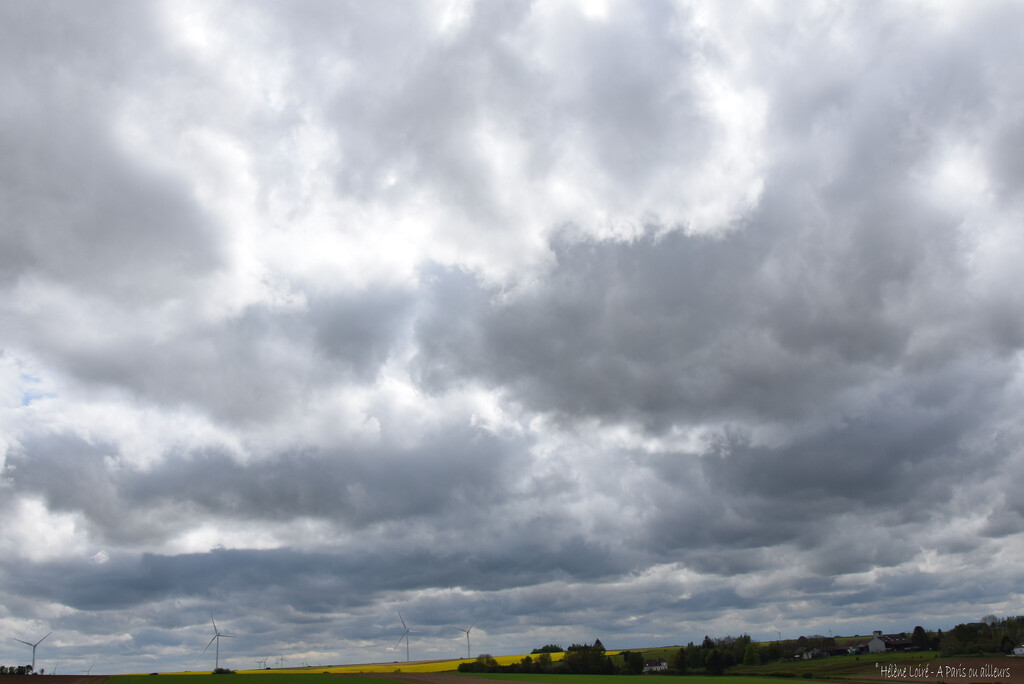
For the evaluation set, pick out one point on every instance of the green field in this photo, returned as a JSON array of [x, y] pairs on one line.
[[306, 677], [624, 679]]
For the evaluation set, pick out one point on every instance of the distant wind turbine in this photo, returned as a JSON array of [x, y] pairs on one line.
[[216, 637], [467, 631], [27, 643], [405, 635]]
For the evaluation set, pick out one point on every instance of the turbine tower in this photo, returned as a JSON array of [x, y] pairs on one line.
[[28, 643], [467, 631], [216, 637], [405, 635]]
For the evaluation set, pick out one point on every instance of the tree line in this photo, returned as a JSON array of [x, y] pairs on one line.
[[16, 669], [578, 659], [711, 656], [991, 635]]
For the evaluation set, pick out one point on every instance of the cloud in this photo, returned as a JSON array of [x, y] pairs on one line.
[[634, 321]]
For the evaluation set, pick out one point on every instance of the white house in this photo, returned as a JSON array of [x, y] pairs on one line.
[[1019, 651], [651, 665]]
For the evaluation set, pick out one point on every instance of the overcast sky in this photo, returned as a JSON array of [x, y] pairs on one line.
[[636, 321]]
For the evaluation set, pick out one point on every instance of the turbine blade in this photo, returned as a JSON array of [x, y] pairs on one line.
[[211, 642], [41, 640], [404, 626], [25, 642], [214, 623]]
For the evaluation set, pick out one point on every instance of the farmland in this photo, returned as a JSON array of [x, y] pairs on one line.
[[865, 668], [924, 667], [891, 667]]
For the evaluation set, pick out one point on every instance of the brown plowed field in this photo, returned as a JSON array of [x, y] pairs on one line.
[[53, 679]]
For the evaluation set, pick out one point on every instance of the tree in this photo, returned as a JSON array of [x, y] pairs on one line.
[[632, 663], [715, 664], [483, 663], [920, 639], [588, 660], [695, 655], [549, 648], [680, 661]]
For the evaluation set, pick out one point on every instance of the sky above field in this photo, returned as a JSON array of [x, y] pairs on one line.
[[573, 320]]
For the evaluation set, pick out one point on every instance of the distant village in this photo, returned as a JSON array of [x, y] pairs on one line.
[[991, 635], [712, 656]]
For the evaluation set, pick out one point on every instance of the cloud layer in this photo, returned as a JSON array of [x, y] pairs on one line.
[[631, 321]]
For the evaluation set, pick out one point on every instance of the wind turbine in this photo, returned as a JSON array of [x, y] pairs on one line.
[[33, 649], [405, 635], [467, 631], [216, 637]]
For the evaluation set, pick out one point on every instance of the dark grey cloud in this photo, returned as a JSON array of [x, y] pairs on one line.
[[457, 473], [78, 207], [256, 364], [764, 322]]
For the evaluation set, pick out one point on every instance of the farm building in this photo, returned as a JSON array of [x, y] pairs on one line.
[[651, 665], [881, 643], [858, 648], [1019, 651]]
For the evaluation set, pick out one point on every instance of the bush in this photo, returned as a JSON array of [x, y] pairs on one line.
[[548, 648]]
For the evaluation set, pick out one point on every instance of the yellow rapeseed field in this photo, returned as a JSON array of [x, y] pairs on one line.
[[414, 666]]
